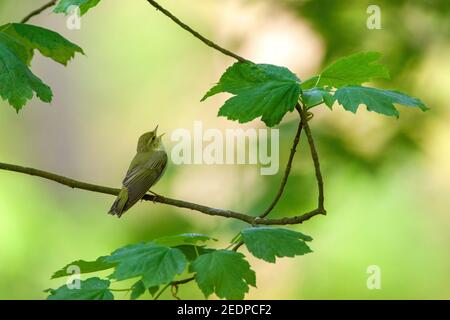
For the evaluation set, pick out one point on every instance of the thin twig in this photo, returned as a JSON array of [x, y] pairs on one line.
[[174, 291], [160, 199], [165, 12], [283, 181], [286, 171], [38, 11], [314, 156], [206, 41], [173, 283], [161, 291]]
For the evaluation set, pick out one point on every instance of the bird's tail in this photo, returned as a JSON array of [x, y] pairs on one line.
[[118, 206], [115, 210]]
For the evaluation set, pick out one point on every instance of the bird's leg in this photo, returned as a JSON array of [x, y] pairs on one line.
[[155, 194]]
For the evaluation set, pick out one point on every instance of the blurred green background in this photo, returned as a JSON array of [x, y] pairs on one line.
[[387, 181]]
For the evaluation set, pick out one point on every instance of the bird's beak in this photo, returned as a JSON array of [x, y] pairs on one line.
[[159, 137], [156, 129]]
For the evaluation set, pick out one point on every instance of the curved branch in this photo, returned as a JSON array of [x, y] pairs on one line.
[[160, 199], [38, 11], [206, 41], [314, 156], [166, 12], [173, 283], [286, 171]]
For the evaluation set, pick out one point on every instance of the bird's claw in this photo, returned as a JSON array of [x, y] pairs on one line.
[[156, 196]]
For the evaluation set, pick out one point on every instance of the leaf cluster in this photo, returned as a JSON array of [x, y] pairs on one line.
[[269, 92], [157, 264]]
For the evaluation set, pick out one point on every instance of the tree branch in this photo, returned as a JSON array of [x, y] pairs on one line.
[[160, 199], [206, 41], [38, 11]]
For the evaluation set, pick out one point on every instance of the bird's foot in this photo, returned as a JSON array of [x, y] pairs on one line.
[[155, 194]]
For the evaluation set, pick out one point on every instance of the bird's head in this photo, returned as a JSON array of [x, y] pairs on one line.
[[150, 141]]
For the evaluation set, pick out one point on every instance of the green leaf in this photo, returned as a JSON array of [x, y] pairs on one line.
[[137, 290], [17, 82], [63, 6], [181, 239], [315, 96], [90, 289], [268, 243], [48, 42], [192, 252], [260, 90], [23, 53], [153, 290], [352, 70], [225, 273], [156, 264], [187, 244], [17, 43], [377, 100], [84, 266]]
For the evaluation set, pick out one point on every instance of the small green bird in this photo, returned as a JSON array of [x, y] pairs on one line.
[[147, 167]]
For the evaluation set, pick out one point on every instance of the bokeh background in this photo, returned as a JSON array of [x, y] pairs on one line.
[[387, 181]]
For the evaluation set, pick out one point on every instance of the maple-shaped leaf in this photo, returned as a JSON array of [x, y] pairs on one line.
[[377, 100], [225, 273], [355, 69], [260, 90]]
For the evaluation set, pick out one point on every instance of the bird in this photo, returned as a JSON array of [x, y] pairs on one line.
[[146, 168]]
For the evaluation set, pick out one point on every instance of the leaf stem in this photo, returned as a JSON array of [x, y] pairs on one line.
[[196, 251], [129, 289], [238, 245]]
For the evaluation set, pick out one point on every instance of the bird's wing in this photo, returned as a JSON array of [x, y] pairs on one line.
[[135, 166], [142, 177], [131, 174]]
